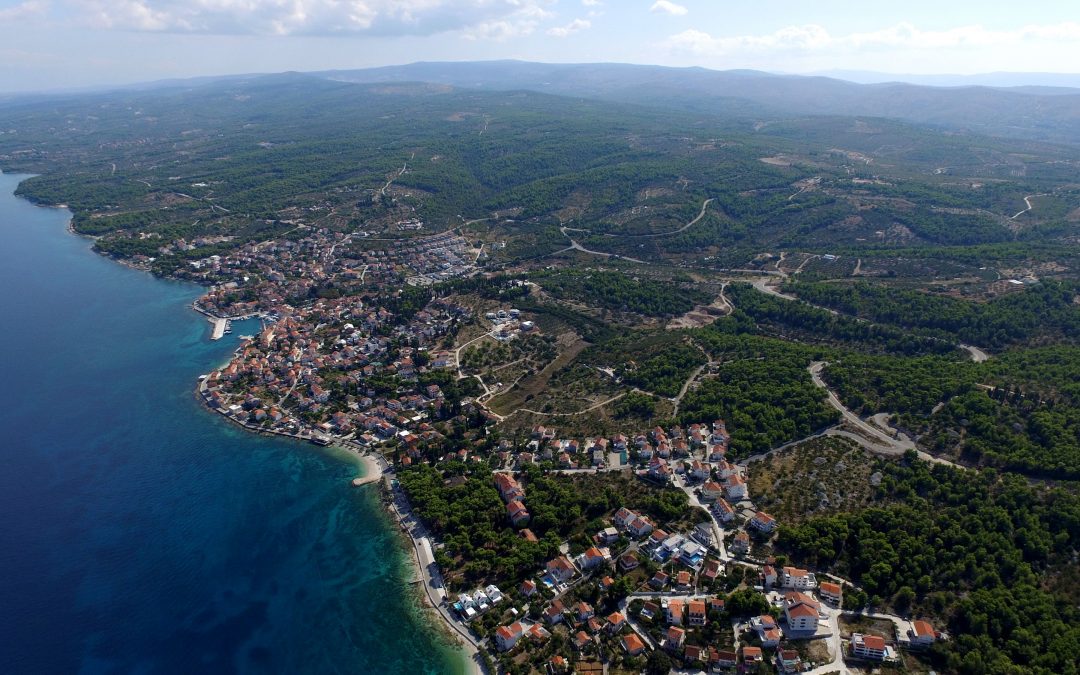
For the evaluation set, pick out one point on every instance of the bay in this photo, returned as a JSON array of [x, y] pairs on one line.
[[140, 533]]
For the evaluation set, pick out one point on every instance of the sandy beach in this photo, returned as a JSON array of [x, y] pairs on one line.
[[372, 471]]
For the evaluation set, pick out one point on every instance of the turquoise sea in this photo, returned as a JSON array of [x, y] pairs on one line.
[[140, 533]]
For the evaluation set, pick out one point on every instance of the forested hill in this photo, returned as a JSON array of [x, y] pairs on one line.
[[242, 158], [1017, 113]]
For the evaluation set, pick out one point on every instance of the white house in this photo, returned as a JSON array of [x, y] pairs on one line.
[[922, 633], [869, 647], [763, 522], [735, 487], [801, 612], [831, 592], [507, 636], [799, 579]]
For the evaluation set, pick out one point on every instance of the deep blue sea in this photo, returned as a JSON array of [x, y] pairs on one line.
[[140, 533]]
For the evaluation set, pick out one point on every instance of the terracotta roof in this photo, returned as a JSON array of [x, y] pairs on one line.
[[802, 609], [632, 643], [873, 642]]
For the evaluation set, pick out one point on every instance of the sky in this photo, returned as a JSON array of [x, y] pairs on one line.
[[51, 44]]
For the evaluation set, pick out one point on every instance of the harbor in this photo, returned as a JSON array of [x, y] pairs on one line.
[[221, 327]]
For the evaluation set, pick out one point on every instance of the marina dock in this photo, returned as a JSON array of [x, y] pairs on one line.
[[219, 328]]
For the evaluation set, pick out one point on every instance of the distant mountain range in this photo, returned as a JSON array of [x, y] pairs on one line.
[[1043, 112], [1064, 83], [1030, 106]]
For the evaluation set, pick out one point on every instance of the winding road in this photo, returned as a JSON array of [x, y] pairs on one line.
[[762, 284], [1027, 202], [882, 443], [574, 245], [700, 215]]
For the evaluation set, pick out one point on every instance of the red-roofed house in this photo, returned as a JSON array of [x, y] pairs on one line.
[[831, 592], [584, 611], [922, 633], [696, 612], [735, 487], [868, 646], [741, 543], [675, 638], [724, 511], [692, 654], [763, 522], [508, 488], [517, 512], [633, 644], [794, 577], [561, 569], [801, 612], [768, 573], [673, 613], [507, 636], [592, 558], [616, 621], [582, 640], [712, 490], [722, 658], [787, 660]]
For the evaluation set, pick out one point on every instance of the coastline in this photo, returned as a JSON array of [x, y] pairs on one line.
[[373, 469], [420, 557], [369, 469]]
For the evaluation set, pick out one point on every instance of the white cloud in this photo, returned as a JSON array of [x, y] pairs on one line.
[[519, 23], [668, 7], [24, 10], [591, 3], [814, 38], [476, 19], [570, 28]]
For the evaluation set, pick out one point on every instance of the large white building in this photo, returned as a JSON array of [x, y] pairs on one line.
[[799, 579], [801, 612]]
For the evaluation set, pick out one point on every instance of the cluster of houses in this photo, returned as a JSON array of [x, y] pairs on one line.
[[514, 497], [471, 605], [507, 637], [657, 450], [921, 635], [259, 276], [278, 380], [677, 609], [508, 324]]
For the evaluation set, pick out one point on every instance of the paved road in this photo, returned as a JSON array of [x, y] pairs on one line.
[[717, 530], [578, 247], [434, 587], [894, 445], [762, 285], [836, 647], [881, 443]]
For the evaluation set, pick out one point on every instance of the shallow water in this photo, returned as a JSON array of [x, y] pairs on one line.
[[141, 533]]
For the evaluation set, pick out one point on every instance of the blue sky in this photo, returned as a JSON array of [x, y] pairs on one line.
[[70, 43]]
